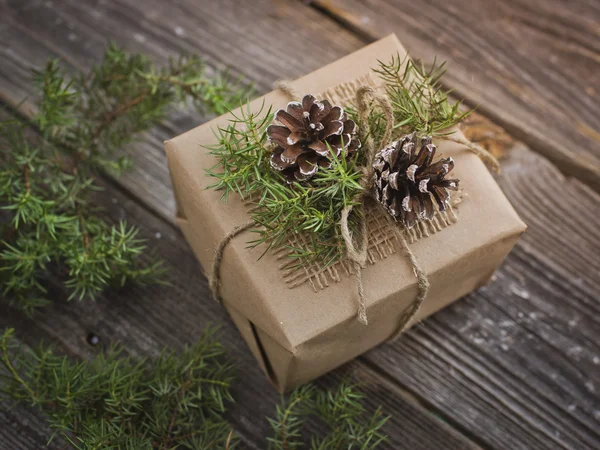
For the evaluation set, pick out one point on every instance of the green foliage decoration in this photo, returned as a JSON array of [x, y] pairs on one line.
[[419, 101], [348, 423], [51, 229], [120, 402], [282, 209], [48, 228], [173, 401]]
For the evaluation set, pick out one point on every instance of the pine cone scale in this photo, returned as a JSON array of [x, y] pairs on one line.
[[307, 165], [278, 134], [276, 162], [334, 127], [410, 185], [296, 111], [290, 154], [307, 101], [349, 127], [288, 121], [319, 147], [306, 136], [335, 113]]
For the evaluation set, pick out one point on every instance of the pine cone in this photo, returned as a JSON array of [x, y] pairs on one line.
[[307, 129], [407, 183]]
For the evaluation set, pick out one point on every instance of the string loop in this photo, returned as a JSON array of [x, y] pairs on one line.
[[214, 282]]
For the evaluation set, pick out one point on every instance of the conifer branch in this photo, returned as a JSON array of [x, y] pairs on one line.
[[48, 227], [119, 402], [349, 425], [419, 101], [173, 401], [4, 343]]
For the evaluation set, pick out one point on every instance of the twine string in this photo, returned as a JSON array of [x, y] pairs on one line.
[[214, 282], [357, 254], [365, 97], [215, 279], [477, 149], [422, 284], [286, 87]]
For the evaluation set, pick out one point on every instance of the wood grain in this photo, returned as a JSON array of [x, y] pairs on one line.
[[518, 361], [144, 319], [77, 32], [531, 66], [512, 366]]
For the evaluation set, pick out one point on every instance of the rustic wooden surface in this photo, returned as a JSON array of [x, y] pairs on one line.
[[531, 65], [515, 365]]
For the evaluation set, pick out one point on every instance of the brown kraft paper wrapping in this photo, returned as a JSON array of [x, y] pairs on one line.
[[299, 334]]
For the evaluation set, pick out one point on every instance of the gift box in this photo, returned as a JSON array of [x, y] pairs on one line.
[[299, 333]]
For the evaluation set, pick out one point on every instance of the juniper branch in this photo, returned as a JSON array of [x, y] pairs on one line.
[[282, 210], [118, 402], [347, 421], [114, 401], [48, 227], [419, 101]]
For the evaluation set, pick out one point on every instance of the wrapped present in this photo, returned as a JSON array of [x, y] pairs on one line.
[[433, 227]]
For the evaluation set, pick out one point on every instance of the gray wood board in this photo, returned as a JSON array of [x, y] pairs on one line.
[[443, 364], [144, 319], [531, 66], [78, 32], [517, 363]]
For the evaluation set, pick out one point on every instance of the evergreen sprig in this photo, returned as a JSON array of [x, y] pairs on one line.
[[349, 424], [305, 216], [118, 402], [48, 228], [281, 210], [419, 101]]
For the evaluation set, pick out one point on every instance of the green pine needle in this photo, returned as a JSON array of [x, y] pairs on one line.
[[419, 101], [348, 424], [173, 401], [283, 210], [48, 228], [119, 402]]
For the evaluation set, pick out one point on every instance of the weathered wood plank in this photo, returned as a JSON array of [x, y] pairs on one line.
[[78, 32], [144, 319], [467, 397], [532, 66], [519, 360], [22, 428]]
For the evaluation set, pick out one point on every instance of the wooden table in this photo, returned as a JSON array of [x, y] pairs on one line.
[[515, 365]]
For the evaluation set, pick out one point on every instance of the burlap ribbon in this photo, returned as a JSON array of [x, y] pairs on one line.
[[357, 246]]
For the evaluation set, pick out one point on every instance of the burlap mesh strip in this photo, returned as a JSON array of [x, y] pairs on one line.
[[382, 244]]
